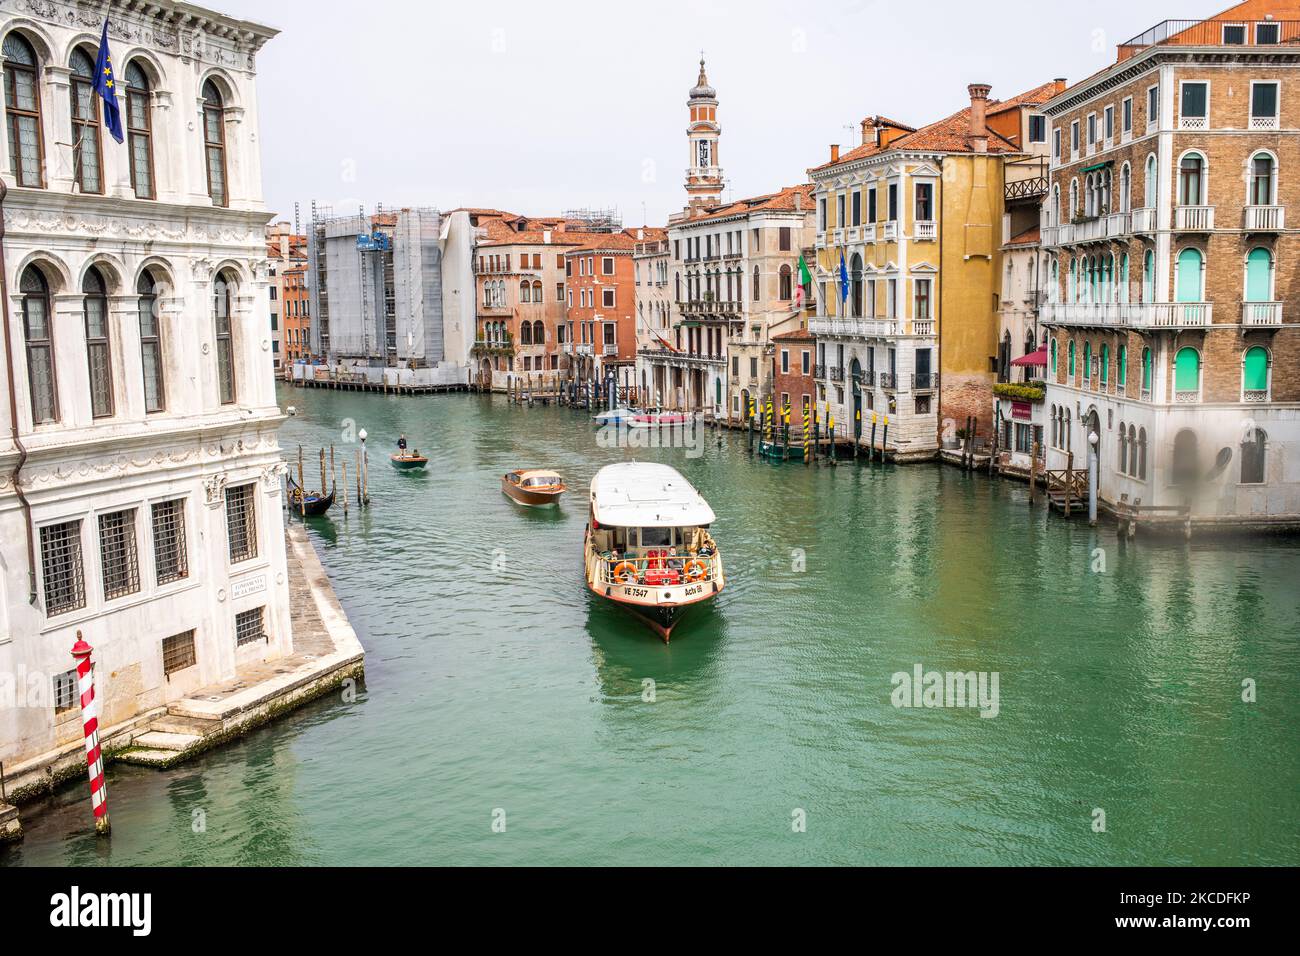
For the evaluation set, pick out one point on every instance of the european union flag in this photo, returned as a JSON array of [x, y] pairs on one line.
[[844, 279], [106, 87]]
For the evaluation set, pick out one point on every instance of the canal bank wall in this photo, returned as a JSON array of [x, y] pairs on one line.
[[326, 655]]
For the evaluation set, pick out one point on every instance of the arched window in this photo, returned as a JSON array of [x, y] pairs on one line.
[[1121, 368], [1133, 452], [1123, 289], [537, 290], [1150, 188], [1254, 374], [23, 112], [1149, 277], [787, 289], [1262, 185], [139, 127], [1125, 187], [1054, 211], [1105, 367], [1185, 468], [526, 333], [1074, 199], [1146, 370], [85, 124], [214, 142], [1190, 262], [525, 292], [221, 302], [1252, 457], [1070, 360], [1259, 276], [1052, 356], [1123, 449], [756, 296], [1072, 289], [98, 351], [1191, 180], [151, 357], [539, 333], [1142, 454], [855, 284], [1069, 438], [1087, 362], [1054, 426], [1187, 375], [38, 332]]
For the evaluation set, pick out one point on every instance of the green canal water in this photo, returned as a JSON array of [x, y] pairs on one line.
[[496, 683]]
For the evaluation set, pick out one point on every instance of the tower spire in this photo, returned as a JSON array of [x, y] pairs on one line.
[[704, 181]]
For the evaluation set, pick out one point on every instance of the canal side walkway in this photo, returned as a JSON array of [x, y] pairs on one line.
[[326, 653]]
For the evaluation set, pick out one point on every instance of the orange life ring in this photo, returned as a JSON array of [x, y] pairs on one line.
[[696, 570], [622, 570]]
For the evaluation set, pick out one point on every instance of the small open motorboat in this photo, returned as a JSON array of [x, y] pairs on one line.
[[661, 420], [616, 416], [533, 486], [404, 461], [313, 504]]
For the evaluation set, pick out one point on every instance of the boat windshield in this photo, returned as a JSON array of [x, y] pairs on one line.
[[656, 555], [541, 481]]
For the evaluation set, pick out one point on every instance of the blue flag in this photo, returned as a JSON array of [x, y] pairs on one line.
[[106, 87], [844, 279]]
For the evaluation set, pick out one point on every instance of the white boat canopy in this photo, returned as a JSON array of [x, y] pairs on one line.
[[645, 495]]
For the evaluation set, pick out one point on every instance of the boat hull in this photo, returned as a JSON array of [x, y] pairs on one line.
[[407, 463], [533, 499]]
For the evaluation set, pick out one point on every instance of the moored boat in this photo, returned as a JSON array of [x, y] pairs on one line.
[[533, 486], [648, 546], [312, 504], [661, 420], [616, 416]]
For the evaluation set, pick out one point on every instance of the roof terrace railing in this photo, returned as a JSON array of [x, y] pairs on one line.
[[1218, 33]]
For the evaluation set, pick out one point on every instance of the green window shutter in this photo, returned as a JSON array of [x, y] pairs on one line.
[[1071, 359], [1053, 356], [1259, 266], [1121, 376], [1255, 374], [1189, 275], [1146, 368], [1105, 364], [1087, 361], [1187, 371]]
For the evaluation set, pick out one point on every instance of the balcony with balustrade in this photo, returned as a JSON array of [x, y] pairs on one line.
[[925, 230], [925, 381], [854, 328], [891, 230], [1265, 218], [1143, 221], [1194, 218], [1261, 313], [1131, 315]]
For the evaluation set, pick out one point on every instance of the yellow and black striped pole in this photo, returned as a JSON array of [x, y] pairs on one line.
[[767, 421], [751, 426], [830, 429], [807, 442], [785, 429]]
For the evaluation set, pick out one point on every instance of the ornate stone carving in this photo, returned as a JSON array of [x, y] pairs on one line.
[[215, 490]]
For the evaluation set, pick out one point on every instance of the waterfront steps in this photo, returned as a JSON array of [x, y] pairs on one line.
[[11, 829]]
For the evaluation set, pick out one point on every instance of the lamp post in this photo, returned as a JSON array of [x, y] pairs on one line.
[[1092, 478], [365, 469]]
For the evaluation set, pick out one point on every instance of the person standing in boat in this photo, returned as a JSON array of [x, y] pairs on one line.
[[401, 445]]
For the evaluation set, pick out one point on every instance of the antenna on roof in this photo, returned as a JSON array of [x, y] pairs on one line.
[[297, 227]]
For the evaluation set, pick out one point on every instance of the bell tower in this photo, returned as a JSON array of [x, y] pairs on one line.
[[704, 175]]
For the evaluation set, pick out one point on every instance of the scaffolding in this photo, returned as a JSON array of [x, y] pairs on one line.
[[596, 220]]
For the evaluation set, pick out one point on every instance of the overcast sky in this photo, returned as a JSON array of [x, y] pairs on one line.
[[538, 107]]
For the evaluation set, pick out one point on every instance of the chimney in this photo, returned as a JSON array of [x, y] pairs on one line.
[[867, 126], [979, 102], [1058, 85], [798, 201], [835, 152], [546, 236], [640, 233]]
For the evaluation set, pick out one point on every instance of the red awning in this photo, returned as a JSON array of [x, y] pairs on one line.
[[1033, 358]]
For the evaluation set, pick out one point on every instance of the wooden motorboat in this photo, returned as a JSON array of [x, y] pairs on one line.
[[648, 546], [415, 460], [313, 504], [533, 487], [661, 420], [616, 416]]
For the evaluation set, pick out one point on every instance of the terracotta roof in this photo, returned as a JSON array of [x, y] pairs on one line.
[[1035, 97], [949, 135], [624, 241], [780, 201], [798, 335], [1030, 237]]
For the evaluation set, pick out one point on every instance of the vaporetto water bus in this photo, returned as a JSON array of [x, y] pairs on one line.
[[648, 545]]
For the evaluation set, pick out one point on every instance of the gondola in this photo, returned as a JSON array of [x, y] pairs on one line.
[[314, 504]]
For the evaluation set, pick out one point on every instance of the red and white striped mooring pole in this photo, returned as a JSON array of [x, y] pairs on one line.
[[90, 722]]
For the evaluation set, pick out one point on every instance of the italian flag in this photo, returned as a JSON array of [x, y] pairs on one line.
[[805, 281]]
